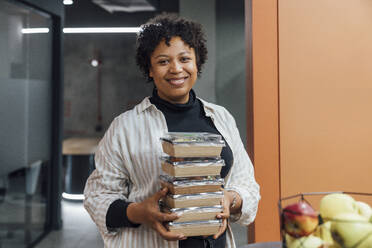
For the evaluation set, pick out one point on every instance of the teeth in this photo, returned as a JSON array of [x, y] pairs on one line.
[[177, 81]]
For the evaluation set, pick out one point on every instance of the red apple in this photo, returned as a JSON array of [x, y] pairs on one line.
[[299, 219]]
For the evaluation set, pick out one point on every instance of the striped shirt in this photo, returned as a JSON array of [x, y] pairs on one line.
[[128, 168]]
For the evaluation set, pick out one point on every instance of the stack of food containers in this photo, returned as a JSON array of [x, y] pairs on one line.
[[193, 178]]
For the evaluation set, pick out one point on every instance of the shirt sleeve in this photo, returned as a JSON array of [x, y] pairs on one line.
[[241, 178], [117, 217], [110, 181]]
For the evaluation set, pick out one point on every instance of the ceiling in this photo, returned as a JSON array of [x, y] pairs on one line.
[[115, 13], [127, 5]]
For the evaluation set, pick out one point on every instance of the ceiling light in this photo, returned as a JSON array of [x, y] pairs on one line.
[[94, 63], [72, 196], [35, 30], [102, 30], [68, 2]]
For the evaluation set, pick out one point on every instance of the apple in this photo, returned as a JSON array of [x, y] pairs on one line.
[[306, 242], [348, 229], [364, 209], [299, 219], [336, 203]]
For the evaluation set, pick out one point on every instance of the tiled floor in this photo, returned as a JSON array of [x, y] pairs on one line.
[[79, 231]]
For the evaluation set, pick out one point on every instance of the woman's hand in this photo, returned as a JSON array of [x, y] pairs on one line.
[[226, 203], [232, 204], [148, 213]]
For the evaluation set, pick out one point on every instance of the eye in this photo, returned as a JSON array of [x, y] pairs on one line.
[[185, 59], [163, 62]]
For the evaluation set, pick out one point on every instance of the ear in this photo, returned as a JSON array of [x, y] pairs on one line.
[[150, 72]]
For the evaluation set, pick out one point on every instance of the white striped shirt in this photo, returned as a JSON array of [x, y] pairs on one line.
[[128, 167]]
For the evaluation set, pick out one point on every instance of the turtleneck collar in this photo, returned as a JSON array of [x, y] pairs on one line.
[[155, 99]]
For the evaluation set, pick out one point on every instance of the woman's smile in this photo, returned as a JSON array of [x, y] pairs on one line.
[[177, 81]]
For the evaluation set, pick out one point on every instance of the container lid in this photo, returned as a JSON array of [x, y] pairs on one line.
[[187, 181], [193, 138], [194, 161], [202, 222], [197, 196], [204, 209]]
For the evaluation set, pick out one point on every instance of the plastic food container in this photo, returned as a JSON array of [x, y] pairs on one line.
[[195, 228], [185, 185], [189, 167], [196, 213], [178, 144], [194, 200]]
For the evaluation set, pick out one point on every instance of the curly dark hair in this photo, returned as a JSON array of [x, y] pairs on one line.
[[164, 27]]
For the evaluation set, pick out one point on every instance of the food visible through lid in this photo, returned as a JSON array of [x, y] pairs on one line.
[[193, 137]]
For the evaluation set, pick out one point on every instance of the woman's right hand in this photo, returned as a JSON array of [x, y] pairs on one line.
[[148, 213]]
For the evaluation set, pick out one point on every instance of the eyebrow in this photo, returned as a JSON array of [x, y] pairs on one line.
[[164, 55]]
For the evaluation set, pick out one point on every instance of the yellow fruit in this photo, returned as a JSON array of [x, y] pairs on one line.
[[306, 242], [364, 209], [337, 203], [324, 232], [348, 229]]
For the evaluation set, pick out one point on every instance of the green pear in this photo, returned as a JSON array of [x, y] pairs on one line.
[[323, 231], [306, 242], [348, 229], [364, 209], [334, 204], [367, 243]]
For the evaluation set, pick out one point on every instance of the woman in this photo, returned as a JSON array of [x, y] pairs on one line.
[[122, 194]]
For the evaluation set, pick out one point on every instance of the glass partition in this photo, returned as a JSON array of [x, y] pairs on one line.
[[26, 121]]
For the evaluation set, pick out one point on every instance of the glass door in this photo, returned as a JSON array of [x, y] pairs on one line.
[[25, 122]]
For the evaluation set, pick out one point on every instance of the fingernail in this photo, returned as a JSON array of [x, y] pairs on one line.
[[218, 216], [179, 214]]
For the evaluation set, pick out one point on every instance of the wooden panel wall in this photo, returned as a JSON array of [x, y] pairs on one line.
[[265, 116], [311, 98], [325, 49]]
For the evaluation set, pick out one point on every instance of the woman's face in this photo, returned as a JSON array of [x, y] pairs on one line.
[[173, 69]]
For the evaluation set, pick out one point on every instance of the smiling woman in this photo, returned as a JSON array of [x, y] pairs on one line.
[[173, 69], [122, 195]]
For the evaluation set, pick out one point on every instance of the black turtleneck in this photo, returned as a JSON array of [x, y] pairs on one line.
[[188, 117]]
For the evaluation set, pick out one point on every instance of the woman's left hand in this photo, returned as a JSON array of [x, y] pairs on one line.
[[226, 203]]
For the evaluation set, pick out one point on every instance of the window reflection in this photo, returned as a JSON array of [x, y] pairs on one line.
[[25, 126]]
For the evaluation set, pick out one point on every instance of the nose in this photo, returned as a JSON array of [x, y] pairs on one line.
[[175, 67]]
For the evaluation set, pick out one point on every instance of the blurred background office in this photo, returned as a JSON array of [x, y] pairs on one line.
[[61, 85], [296, 75]]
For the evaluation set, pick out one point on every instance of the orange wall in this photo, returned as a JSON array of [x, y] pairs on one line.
[[312, 100], [265, 116], [325, 68]]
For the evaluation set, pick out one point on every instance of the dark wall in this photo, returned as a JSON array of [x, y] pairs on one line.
[[230, 60], [122, 84]]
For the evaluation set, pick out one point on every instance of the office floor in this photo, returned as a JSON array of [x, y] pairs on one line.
[[79, 231]]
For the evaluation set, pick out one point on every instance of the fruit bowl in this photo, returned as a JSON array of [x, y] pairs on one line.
[[326, 220]]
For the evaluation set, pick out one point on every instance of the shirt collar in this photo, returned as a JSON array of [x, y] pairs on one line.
[[145, 104]]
